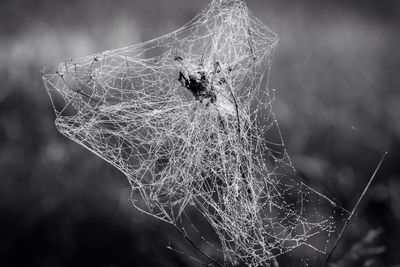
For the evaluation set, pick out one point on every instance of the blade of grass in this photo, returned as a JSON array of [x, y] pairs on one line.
[[348, 220]]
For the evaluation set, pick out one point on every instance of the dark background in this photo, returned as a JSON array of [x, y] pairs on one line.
[[338, 102]]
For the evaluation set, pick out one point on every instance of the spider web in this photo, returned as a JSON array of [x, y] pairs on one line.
[[188, 118]]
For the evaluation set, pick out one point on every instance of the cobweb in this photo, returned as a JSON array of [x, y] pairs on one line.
[[188, 118]]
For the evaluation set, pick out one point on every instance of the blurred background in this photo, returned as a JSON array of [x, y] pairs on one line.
[[338, 103]]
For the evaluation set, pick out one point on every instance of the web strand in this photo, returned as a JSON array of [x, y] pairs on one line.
[[188, 118]]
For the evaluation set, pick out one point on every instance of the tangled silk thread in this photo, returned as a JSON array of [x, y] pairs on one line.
[[188, 118]]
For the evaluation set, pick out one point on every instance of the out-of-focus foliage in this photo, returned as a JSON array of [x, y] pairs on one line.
[[337, 102], [363, 252]]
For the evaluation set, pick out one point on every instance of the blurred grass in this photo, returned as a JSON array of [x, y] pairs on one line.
[[338, 105]]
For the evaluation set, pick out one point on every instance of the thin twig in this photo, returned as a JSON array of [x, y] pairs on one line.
[[348, 220], [250, 40], [236, 107], [190, 257], [185, 235]]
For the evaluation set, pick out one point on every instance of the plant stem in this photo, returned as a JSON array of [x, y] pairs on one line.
[[185, 235], [348, 220]]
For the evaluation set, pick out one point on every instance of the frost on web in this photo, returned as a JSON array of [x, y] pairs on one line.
[[188, 118]]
